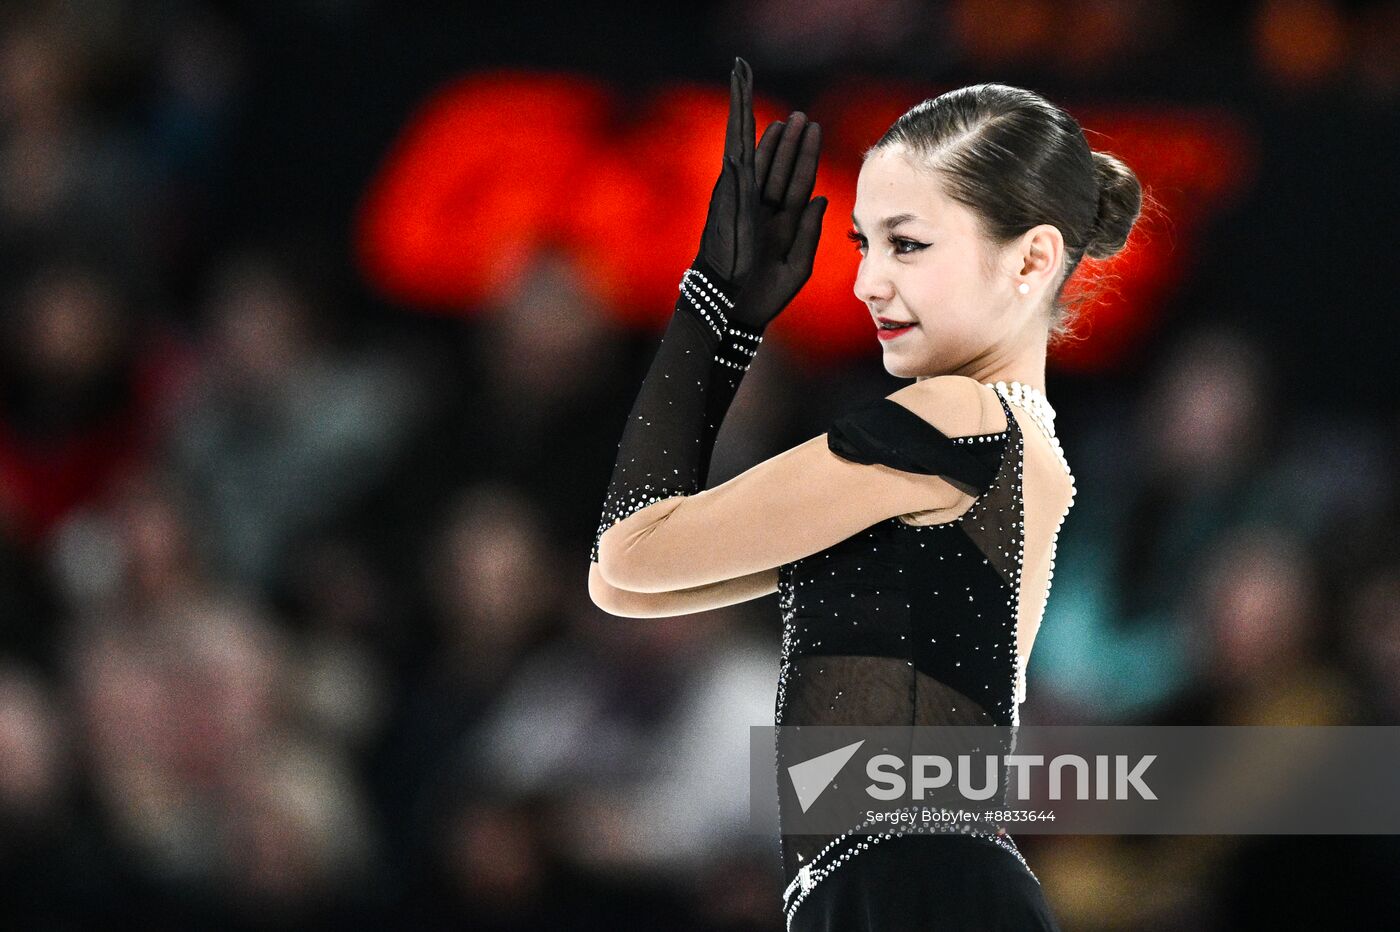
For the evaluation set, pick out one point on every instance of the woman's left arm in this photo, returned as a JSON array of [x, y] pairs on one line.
[[628, 604], [792, 505]]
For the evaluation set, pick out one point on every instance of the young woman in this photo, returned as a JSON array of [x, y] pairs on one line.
[[912, 545]]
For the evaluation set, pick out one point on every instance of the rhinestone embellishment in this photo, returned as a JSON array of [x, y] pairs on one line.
[[810, 616]]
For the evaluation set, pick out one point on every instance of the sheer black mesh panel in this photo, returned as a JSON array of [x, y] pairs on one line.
[[670, 433]]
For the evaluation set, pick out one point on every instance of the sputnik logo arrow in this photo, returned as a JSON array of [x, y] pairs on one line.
[[811, 777]]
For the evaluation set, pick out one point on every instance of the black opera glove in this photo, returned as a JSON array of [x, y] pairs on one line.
[[694, 376], [763, 225], [755, 254]]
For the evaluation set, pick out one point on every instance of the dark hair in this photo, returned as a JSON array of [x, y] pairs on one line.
[[1016, 161]]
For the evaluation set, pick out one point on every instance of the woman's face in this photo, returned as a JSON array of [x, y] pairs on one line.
[[922, 261]]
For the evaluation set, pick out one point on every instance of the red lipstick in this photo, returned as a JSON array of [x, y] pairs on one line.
[[891, 328]]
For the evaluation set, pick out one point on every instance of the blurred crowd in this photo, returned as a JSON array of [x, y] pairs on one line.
[[294, 627]]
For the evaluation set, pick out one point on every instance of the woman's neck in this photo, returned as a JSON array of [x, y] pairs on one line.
[[1024, 364]]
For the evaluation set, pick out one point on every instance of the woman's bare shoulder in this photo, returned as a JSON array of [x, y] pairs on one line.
[[956, 404]]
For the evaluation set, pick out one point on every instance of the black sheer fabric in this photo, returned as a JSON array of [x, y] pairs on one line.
[[907, 624], [670, 434]]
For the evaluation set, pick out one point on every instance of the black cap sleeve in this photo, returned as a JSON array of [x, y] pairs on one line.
[[888, 433]]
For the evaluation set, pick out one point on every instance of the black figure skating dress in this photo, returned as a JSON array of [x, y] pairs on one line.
[[884, 622], [908, 624]]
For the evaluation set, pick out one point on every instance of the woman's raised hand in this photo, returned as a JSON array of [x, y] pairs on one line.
[[763, 225]]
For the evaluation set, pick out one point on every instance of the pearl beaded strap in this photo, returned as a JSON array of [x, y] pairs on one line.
[[1034, 402]]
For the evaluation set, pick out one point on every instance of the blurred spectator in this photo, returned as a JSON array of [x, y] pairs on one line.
[[345, 687], [46, 838], [1151, 507], [528, 391], [279, 432], [490, 603], [86, 392], [643, 726], [1259, 643], [192, 741], [65, 168], [1264, 662], [1372, 642]]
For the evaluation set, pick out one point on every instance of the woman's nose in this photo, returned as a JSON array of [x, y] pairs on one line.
[[872, 286]]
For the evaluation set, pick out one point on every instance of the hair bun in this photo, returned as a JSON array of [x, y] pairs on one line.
[[1120, 202]]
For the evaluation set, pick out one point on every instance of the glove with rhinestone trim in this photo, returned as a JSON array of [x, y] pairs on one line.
[[756, 253], [761, 233]]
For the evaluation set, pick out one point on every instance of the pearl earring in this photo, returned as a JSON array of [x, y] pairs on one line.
[[1023, 288]]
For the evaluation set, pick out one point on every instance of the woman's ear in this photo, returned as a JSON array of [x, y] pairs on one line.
[[1042, 253]]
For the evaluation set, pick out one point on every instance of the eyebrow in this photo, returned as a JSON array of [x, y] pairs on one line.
[[889, 223]]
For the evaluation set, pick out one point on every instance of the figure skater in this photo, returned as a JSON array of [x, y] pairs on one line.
[[913, 544]]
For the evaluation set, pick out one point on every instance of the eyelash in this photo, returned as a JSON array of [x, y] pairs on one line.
[[895, 241]]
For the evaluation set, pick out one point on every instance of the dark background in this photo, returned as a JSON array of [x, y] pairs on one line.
[[294, 630]]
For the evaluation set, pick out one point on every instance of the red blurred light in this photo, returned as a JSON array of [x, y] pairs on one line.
[[497, 166]]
